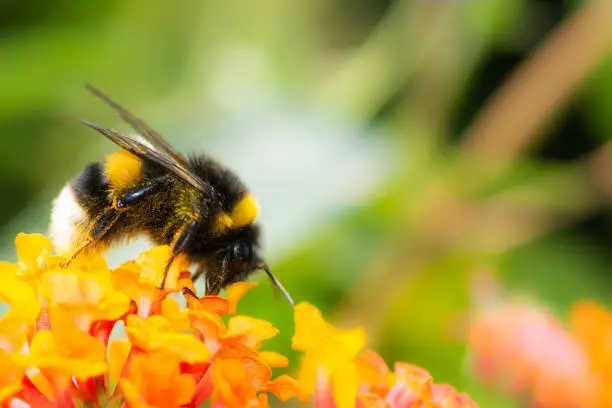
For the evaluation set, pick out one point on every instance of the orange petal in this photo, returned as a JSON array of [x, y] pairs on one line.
[[446, 396], [59, 362], [14, 331], [310, 329], [41, 383], [369, 400], [88, 296], [118, 352], [172, 312], [231, 384], [126, 281], [132, 395], [274, 359], [372, 370], [156, 334], [262, 401], [415, 379], [257, 371], [284, 387], [235, 292], [207, 327], [153, 264], [250, 331], [156, 380], [215, 304], [145, 295]]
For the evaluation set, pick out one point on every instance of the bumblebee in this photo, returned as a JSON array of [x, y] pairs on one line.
[[195, 205]]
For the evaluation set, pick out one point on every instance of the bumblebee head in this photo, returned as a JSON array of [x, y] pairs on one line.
[[239, 258]]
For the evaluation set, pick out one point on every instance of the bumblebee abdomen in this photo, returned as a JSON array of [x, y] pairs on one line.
[[78, 202], [67, 218], [237, 207]]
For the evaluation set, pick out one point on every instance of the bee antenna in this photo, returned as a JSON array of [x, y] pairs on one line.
[[277, 283]]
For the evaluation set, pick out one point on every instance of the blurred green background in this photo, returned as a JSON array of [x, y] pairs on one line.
[[362, 126]]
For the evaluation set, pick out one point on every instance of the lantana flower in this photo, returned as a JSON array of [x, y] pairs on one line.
[[56, 348], [523, 348], [341, 374]]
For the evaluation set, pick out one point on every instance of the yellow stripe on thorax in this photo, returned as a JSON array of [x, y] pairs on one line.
[[244, 213], [122, 169]]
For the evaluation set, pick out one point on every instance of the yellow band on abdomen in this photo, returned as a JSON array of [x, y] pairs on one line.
[[122, 169], [244, 213]]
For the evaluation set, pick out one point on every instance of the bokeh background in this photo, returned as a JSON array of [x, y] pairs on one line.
[[397, 148]]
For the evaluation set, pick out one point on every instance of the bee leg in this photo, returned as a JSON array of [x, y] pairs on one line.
[[215, 282], [104, 222], [186, 291], [100, 226], [181, 240], [132, 196]]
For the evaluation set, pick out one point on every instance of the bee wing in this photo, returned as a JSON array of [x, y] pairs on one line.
[[147, 153], [141, 127]]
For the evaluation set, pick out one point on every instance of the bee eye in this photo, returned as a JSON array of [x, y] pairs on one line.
[[242, 252]]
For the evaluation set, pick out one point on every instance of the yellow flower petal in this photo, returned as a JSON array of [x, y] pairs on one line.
[[83, 356], [249, 331], [11, 375], [236, 291], [33, 251], [310, 328], [152, 264], [307, 376], [18, 293], [14, 331], [345, 384], [341, 348], [88, 296]]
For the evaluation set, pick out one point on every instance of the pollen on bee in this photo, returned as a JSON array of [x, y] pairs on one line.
[[223, 222], [122, 168]]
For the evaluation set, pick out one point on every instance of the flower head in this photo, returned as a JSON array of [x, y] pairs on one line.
[[525, 349], [56, 350], [339, 373]]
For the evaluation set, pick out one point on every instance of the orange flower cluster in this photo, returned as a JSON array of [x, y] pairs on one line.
[[56, 348], [527, 350]]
